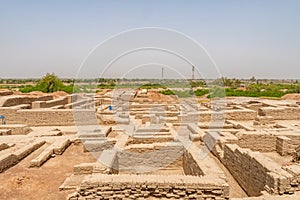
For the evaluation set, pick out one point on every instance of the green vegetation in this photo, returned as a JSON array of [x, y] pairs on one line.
[[201, 92], [167, 92], [265, 90], [226, 82], [258, 90], [185, 93], [252, 90], [200, 83], [182, 88], [152, 86], [217, 92], [110, 85], [49, 83], [179, 93]]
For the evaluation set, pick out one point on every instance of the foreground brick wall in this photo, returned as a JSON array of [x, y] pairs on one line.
[[255, 172], [158, 156], [149, 186]]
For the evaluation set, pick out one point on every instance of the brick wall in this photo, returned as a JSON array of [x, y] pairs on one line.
[[149, 159], [257, 141], [255, 172], [149, 186], [284, 113], [48, 117]]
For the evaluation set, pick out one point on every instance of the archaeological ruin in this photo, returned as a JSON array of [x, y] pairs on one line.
[[140, 144]]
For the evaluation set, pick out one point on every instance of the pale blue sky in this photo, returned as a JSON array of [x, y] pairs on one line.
[[245, 38]]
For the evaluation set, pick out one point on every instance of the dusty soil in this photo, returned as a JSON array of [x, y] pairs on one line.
[[291, 97], [59, 94], [22, 182], [155, 96]]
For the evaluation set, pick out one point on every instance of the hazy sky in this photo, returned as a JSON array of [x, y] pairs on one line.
[[258, 38]]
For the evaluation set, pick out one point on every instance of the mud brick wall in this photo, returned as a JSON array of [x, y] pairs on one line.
[[12, 158], [17, 100], [195, 117], [283, 146], [7, 161], [149, 140], [283, 113], [190, 166], [206, 116], [255, 172], [48, 117], [149, 186], [16, 129], [286, 145], [9, 113], [154, 157], [257, 141], [243, 114], [51, 103], [255, 106], [5, 92]]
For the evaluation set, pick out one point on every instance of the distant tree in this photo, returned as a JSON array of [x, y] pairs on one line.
[[50, 83], [253, 79]]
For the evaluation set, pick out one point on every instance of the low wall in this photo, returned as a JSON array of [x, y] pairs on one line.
[[243, 114], [8, 101], [206, 116], [149, 186], [51, 103], [149, 157], [282, 113], [257, 141], [10, 159], [149, 139], [48, 117], [16, 129], [286, 144], [6, 92]]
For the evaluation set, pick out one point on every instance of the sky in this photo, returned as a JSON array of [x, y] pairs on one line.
[[79, 38]]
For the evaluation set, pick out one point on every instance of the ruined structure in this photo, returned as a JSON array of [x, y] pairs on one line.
[[146, 145]]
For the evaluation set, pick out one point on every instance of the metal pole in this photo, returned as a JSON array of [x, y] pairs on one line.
[[193, 72]]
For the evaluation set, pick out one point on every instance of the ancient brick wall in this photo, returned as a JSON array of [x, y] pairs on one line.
[[286, 145], [283, 113], [257, 141], [45, 117], [51, 103], [190, 166], [153, 158], [149, 186], [255, 172], [17, 100]]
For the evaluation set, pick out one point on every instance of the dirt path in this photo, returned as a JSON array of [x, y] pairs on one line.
[[21, 182]]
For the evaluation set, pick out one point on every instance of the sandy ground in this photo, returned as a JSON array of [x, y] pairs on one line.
[[155, 96], [291, 97], [21, 182]]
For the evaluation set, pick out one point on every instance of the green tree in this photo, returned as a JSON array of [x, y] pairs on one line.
[[50, 83]]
